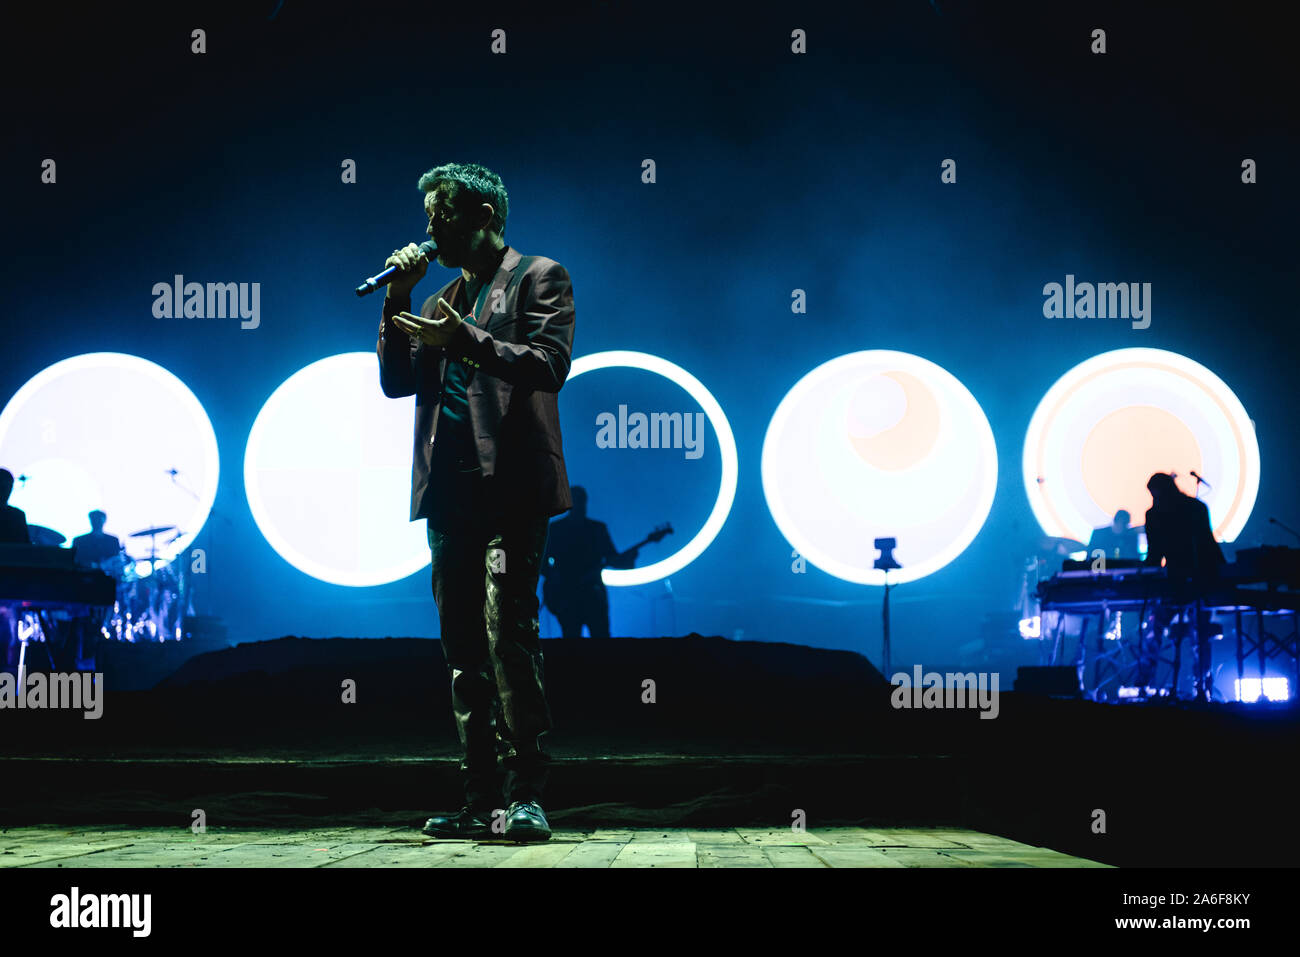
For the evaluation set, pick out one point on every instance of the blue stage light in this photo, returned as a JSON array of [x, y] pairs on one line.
[[726, 447], [1271, 688]]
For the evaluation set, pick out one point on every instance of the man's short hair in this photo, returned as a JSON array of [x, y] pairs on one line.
[[96, 514], [1163, 483], [472, 185], [6, 483]]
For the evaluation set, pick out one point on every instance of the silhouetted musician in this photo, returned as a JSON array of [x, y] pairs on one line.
[[13, 521], [95, 546], [1116, 540], [94, 549], [1178, 530], [577, 548]]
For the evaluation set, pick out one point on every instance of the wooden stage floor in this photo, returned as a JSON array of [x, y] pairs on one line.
[[54, 847]]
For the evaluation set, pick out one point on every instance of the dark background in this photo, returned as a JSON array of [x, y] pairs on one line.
[[775, 171]]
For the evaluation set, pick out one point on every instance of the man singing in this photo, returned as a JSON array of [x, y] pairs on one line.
[[485, 360]]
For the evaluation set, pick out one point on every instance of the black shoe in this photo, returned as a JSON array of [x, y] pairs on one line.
[[526, 821], [466, 826]]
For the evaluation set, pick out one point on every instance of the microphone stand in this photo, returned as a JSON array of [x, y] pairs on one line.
[[886, 562], [213, 512], [1284, 527], [1199, 482]]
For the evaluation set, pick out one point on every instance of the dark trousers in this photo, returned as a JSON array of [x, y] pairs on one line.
[[1198, 640], [590, 609], [485, 570]]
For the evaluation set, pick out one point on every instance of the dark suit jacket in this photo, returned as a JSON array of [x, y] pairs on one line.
[[519, 356], [13, 526], [1181, 534]]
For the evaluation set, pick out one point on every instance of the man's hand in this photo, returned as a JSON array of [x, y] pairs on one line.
[[413, 266], [432, 332]]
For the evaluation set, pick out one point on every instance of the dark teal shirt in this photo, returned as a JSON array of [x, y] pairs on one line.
[[455, 407]]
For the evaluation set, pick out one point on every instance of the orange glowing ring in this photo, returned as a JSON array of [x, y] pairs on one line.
[[1112, 421]]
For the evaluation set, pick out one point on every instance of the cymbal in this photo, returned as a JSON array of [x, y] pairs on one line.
[[1060, 546], [145, 532], [40, 535]]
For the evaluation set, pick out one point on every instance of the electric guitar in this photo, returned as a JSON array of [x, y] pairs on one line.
[[560, 594]]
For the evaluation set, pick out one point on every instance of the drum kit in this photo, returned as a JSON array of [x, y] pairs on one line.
[[1049, 552], [153, 594]]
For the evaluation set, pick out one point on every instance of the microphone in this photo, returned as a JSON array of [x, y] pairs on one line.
[[1199, 480], [430, 252]]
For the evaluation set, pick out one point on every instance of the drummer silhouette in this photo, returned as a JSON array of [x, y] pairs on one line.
[[95, 546], [1118, 539], [91, 550]]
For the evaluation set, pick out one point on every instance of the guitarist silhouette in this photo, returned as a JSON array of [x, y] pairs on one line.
[[577, 548]]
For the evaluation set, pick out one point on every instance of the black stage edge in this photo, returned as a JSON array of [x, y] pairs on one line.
[[742, 734]]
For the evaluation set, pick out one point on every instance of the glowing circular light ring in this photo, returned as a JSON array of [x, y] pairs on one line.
[[921, 368], [726, 447], [177, 390], [1213, 388], [262, 513]]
